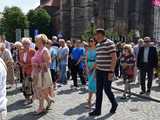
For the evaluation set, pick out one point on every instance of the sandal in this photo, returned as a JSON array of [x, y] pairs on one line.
[[40, 111]]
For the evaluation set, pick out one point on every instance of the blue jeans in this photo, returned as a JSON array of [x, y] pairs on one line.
[[63, 73]]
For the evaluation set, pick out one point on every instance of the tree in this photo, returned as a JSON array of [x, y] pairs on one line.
[[13, 18], [39, 19], [89, 32]]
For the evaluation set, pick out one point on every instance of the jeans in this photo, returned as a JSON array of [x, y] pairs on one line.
[[102, 82], [63, 73]]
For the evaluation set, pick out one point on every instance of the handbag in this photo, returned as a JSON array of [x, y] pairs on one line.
[[130, 71]]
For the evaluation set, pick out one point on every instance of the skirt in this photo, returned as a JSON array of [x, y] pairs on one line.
[[10, 72], [42, 80], [27, 86]]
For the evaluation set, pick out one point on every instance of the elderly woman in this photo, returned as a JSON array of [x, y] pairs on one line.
[[25, 63], [42, 81], [128, 63], [5, 54], [18, 49]]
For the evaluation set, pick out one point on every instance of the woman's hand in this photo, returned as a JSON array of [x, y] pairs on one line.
[[95, 66], [35, 65]]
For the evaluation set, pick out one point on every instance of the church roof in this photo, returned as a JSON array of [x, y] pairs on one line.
[[51, 3]]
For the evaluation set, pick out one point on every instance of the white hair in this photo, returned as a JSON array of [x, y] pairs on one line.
[[54, 37], [26, 40], [17, 44]]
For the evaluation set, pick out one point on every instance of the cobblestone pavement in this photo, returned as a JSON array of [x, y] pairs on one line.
[[155, 92], [70, 105]]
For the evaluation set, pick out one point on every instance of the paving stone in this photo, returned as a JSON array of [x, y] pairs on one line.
[[70, 105]]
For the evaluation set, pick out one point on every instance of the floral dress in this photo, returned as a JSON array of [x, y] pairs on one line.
[[128, 64], [7, 58]]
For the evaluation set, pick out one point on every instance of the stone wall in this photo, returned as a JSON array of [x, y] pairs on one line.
[[119, 16], [81, 13]]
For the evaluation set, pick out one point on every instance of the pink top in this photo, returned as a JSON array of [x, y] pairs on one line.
[[38, 59]]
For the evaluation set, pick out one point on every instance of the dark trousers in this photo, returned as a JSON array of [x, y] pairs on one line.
[[145, 70], [79, 71], [117, 69], [54, 75], [103, 83]]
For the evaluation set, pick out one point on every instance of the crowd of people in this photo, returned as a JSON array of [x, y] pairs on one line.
[[40, 66]]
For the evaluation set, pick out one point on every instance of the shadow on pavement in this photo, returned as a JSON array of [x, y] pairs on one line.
[[13, 92], [83, 91], [28, 116], [105, 117], [80, 109], [132, 99], [119, 83], [68, 91], [17, 105], [137, 85], [156, 88]]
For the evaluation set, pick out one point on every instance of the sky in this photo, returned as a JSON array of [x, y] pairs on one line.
[[25, 5]]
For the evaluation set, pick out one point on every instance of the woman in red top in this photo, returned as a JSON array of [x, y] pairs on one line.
[[25, 62]]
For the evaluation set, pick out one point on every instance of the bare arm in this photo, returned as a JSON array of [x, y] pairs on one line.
[[113, 64], [114, 61]]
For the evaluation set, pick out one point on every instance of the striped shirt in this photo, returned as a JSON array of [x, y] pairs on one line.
[[103, 55]]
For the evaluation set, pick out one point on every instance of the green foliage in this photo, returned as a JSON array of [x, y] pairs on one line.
[[39, 19], [13, 18], [111, 34], [89, 33]]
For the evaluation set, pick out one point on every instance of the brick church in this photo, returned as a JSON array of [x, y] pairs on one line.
[[73, 17]]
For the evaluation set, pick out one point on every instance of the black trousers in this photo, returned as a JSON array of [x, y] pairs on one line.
[[102, 82], [117, 68], [54, 75], [78, 71], [145, 70]]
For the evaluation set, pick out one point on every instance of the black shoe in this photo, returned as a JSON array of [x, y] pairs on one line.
[[94, 113], [129, 95], [142, 93], [113, 109], [148, 92], [123, 97]]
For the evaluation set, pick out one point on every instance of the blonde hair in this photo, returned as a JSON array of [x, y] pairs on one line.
[[140, 40], [42, 37], [129, 48], [26, 40]]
